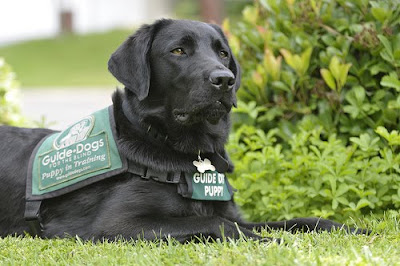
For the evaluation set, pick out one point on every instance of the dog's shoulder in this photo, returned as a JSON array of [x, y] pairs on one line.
[[11, 134]]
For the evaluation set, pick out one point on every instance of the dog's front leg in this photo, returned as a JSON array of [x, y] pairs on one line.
[[308, 224], [185, 229]]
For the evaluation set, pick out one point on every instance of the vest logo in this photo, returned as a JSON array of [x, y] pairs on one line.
[[75, 133]]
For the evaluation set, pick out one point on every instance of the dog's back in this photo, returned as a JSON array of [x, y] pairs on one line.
[[16, 146]]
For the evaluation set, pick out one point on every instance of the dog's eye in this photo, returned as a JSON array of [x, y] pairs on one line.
[[223, 54], [178, 51]]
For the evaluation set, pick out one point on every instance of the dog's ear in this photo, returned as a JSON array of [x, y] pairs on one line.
[[130, 62], [233, 63], [235, 68]]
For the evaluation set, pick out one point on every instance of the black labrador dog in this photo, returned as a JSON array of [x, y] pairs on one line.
[[180, 82]]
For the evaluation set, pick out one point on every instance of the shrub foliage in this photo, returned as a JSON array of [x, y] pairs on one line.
[[319, 96], [335, 60], [9, 96], [314, 177]]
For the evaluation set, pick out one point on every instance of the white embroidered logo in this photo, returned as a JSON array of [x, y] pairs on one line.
[[75, 133]]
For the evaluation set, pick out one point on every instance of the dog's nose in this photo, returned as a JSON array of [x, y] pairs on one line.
[[222, 79]]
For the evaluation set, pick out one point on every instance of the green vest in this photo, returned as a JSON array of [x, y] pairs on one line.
[[84, 153]]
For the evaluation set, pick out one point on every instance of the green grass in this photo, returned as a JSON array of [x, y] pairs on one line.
[[337, 248], [71, 60]]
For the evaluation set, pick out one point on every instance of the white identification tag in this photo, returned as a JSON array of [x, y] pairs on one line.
[[203, 165]]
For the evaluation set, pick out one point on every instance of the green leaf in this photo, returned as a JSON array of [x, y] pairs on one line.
[[299, 64], [352, 110], [289, 58], [305, 57], [267, 5], [334, 67], [380, 13], [391, 81], [342, 200], [289, 78], [363, 203], [279, 85], [383, 132], [366, 143], [335, 204], [386, 44], [356, 95], [343, 75], [359, 92], [393, 137], [343, 188], [396, 55], [272, 64], [381, 67], [394, 104], [387, 52], [250, 14], [328, 78]]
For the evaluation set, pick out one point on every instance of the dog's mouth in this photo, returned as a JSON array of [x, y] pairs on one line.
[[211, 113]]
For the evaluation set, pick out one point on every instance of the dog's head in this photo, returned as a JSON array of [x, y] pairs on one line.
[[186, 66]]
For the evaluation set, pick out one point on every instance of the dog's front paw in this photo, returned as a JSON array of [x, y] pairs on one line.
[[359, 231]]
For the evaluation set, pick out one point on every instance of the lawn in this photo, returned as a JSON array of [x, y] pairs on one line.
[[70, 60], [337, 248]]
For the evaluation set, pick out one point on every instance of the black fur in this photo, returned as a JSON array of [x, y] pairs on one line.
[[172, 93]]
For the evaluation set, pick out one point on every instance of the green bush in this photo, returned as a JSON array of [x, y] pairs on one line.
[[319, 96], [316, 177], [335, 60], [10, 113]]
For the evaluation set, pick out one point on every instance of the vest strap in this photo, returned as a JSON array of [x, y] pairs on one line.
[[33, 218], [148, 173]]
